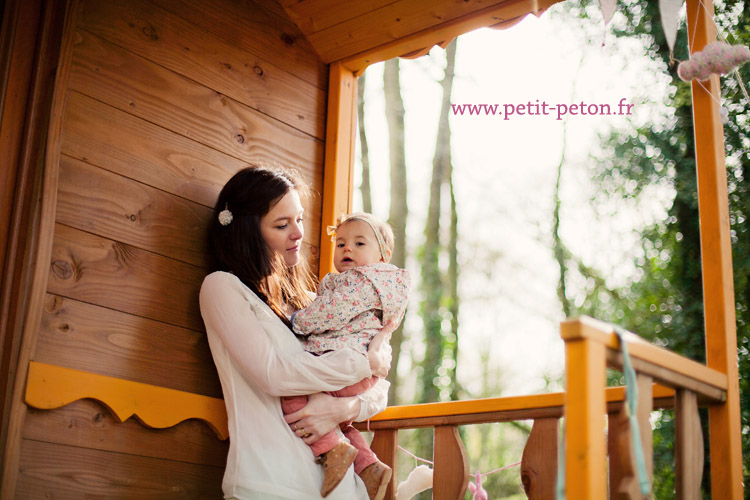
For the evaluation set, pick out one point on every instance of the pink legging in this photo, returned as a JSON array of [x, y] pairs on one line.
[[365, 456]]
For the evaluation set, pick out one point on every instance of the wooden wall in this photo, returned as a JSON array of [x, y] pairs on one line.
[[165, 100]]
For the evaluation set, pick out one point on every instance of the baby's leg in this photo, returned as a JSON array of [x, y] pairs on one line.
[[365, 455], [290, 404]]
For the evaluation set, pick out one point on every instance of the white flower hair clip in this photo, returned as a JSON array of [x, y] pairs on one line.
[[225, 216]]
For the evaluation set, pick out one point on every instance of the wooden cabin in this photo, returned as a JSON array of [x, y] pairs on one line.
[[119, 122]]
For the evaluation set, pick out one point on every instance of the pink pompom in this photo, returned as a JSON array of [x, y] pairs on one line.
[[715, 58]]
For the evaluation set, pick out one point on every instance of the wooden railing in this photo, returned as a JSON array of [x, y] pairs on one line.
[[590, 347]]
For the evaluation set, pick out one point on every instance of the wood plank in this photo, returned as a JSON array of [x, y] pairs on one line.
[[480, 407], [313, 15], [389, 46], [385, 445], [585, 453], [246, 25], [120, 143], [640, 349], [716, 263], [130, 83], [171, 42], [100, 340], [89, 424], [669, 377], [118, 276], [118, 208], [103, 136], [404, 18], [70, 473], [688, 447], [539, 460], [451, 475]]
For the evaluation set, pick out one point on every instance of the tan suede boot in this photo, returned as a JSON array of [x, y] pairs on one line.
[[335, 464], [376, 477]]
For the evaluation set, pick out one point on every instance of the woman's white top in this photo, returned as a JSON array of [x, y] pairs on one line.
[[258, 360]]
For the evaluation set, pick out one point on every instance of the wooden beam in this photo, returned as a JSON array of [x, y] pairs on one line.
[[34, 220], [716, 257], [339, 159], [639, 349], [585, 453]]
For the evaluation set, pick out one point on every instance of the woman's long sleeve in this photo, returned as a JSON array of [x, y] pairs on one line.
[[374, 400], [228, 314]]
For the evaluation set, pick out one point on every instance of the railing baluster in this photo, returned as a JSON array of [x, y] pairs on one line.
[[539, 460], [451, 468], [688, 446], [385, 445], [623, 480]]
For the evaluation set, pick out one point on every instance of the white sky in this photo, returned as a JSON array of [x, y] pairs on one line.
[[504, 173]]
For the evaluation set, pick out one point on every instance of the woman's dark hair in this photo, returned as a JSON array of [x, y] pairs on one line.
[[239, 247]]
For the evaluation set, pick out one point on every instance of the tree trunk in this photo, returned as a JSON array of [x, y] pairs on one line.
[[364, 188], [394, 111], [432, 279]]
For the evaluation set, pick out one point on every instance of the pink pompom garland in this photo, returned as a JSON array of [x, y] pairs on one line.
[[716, 57]]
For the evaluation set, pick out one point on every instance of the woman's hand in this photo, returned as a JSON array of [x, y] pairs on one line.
[[322, 414], [379, 351]]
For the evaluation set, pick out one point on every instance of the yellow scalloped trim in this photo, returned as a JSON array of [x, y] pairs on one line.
[[50, 386]]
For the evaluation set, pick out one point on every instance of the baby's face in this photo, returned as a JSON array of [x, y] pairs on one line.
[[356, 245]]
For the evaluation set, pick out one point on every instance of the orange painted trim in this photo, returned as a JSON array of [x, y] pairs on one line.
[[339, 157], [50, 386], [599, 331], [585, 408], [725, 430], [490, 405], [436, 35]]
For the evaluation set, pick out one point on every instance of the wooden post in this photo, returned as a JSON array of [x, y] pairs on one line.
[[585, 409], [451, 469], [385, 445], [688, 447], [716, 257], [339, 160], [539, 460]]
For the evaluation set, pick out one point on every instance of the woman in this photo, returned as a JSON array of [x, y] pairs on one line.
[[255, 236]]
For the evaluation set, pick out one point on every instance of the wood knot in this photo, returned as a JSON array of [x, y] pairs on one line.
[[240, 138], [287, 39], [62, 269], [64, 328], [150, 32], [98, 418], [133, 217], [227, 65], [53, 303], [258, 70]]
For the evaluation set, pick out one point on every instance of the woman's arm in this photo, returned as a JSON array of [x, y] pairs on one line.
[[227, 313], [323, 413]]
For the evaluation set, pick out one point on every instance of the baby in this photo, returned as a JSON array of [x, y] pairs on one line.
[[351, 307]]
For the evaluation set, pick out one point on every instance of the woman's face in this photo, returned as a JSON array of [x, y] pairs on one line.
[[282, 229]]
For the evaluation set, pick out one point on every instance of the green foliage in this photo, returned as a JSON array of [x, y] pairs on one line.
[[665, 303]]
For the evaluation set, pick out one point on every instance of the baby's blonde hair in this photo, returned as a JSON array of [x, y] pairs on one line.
[[383, 230]]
